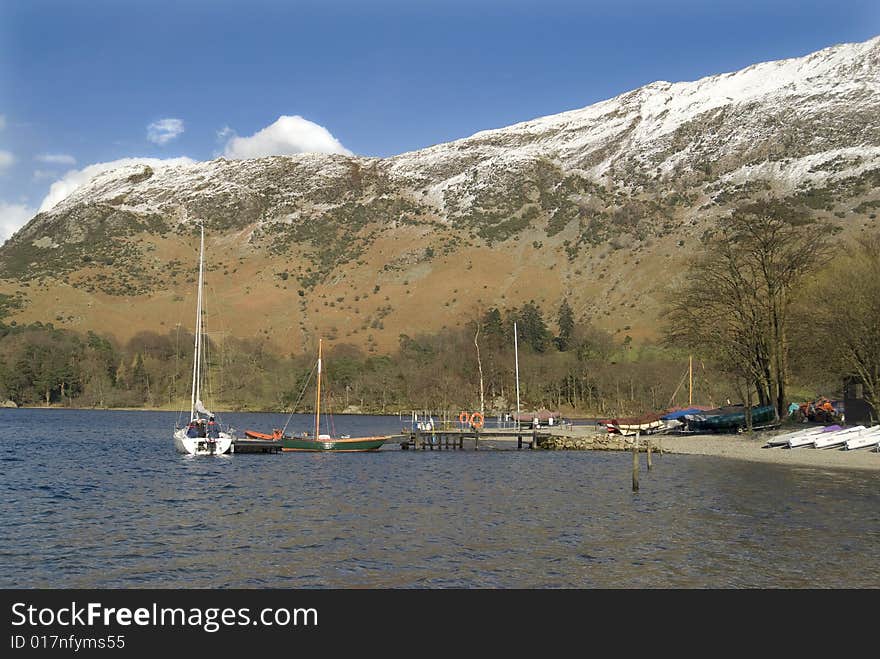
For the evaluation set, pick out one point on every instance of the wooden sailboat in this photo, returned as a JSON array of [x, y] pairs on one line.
[[320, 442], [202, 435]]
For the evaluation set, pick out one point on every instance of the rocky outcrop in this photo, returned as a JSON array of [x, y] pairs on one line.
[[598, 442]]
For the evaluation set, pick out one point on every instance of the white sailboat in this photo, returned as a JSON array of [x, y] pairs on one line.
[[201, 436]]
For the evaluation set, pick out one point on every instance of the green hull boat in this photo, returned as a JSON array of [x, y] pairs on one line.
[[332, 444], [729, 419], [323, 442]]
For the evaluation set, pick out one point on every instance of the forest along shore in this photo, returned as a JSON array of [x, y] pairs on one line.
[[743, 447]]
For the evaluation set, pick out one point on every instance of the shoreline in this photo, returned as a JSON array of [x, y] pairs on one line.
[[742, 448], [731, 446], [750, 449]]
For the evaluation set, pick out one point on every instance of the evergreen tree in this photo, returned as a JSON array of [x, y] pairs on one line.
[[565, 319], [140, 382], [532, 327]]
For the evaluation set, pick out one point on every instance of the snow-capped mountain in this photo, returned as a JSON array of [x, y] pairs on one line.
[[593, 204]]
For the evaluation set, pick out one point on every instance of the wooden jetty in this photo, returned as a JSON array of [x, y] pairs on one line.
[[247, 445], [454, 438]]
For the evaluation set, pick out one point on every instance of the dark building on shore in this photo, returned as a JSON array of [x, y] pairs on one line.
[[856, 409]]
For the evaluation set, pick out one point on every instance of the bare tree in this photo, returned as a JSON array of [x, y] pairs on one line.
[[733, 305], [840, 328]]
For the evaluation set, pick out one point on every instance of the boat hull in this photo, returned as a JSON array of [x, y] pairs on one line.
[[628, 429], [729, 422], [202, 445], [866, 440], [337, 445]]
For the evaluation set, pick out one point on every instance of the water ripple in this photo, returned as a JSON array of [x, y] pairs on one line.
[[113, 506]]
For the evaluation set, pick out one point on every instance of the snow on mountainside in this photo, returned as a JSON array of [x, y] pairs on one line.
[[643, 122], [632, 178]]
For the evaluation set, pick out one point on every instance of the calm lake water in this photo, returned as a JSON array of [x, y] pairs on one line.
[[100, 499]]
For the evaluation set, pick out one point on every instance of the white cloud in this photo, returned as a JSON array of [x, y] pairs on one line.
[[163, 131], [40, 174], [287, 136], [56, 159], [12, 218], [6, 160], [75, 178]]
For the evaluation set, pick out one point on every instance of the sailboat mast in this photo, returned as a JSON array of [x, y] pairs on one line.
[[516, 356], [690, 380], [318, 394], [198, 382], [197, 347]]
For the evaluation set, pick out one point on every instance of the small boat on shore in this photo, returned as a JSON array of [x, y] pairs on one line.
[[728, 419], [783, 439], [867, 439], [836, 439], [645, 425], [826, 439]]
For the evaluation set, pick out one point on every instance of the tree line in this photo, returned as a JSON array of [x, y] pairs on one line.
[[565, 364], [773, 305]]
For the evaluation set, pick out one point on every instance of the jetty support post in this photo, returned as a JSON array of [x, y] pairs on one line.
[[636, 463], [476, 439], [648, 449], [534, 438]]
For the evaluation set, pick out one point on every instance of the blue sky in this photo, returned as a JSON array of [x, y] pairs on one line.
[[82, 82]]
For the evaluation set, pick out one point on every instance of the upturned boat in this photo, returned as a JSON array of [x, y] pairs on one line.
[[866, 439], [837, 439], [728, 419], [783, 439], [646, 424]]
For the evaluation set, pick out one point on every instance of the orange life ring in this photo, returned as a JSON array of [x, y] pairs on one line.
[[463, 417], [477, 420]]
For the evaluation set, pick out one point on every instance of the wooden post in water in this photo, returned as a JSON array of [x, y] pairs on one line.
[[636, 463], [534, 438], [649, 453], [476, 439]]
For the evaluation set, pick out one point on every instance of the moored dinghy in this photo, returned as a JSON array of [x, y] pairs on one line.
[[320, 441]]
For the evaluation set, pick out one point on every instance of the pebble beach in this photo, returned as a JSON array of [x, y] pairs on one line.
[[744, 447]]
